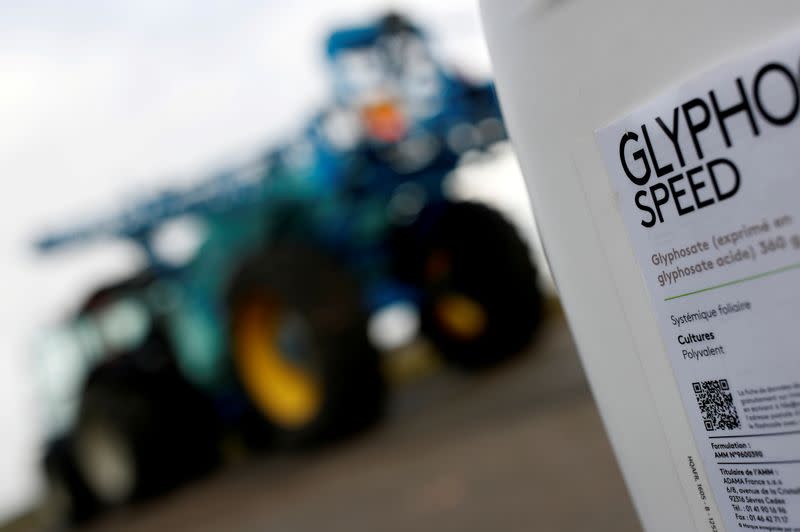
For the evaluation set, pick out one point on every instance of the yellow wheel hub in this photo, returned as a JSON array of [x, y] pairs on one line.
[[286, 394], [461, 316]]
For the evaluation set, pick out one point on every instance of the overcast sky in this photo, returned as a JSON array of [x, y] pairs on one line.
[[101, 100]]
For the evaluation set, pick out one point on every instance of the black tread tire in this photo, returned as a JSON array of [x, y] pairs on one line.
[[144, 394], [114, 290], [489, 263], [62, 473], [314, 285], [170, 428]]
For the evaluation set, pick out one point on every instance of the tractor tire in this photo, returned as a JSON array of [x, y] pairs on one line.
[[67, 497], [482, 302], [300, 347], [112, 291], [141, 429]]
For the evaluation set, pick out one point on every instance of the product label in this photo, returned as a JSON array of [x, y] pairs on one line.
[[708, 183]]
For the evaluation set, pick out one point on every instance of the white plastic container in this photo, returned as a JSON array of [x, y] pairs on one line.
[[574, 78]]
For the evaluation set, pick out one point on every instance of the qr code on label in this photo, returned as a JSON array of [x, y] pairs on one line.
[[716, 405]]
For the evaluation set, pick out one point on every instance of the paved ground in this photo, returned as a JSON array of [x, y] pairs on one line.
[[520, 448]]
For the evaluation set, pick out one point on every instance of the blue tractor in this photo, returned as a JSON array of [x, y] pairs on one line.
[[263, 326]]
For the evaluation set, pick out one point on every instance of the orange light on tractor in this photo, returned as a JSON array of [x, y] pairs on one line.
[[384, 121]]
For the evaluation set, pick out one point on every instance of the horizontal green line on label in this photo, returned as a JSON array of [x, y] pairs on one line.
[[776, 271]]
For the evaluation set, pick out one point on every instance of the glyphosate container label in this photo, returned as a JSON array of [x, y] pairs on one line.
[[707, 178]]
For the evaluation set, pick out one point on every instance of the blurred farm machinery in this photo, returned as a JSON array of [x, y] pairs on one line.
[[261, 324]]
